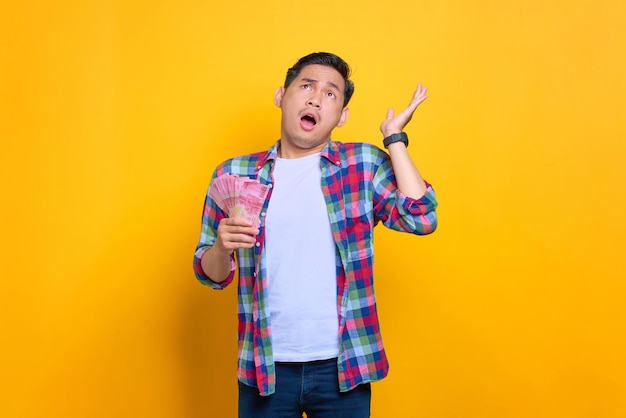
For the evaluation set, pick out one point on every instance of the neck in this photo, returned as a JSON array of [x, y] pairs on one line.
[[293, 152]]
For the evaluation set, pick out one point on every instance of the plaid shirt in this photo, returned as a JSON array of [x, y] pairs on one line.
[[360, 190]]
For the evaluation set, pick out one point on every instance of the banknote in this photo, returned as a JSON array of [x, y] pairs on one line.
[[239, 196]]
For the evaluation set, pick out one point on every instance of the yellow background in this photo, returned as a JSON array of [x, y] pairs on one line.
[[114, 114]]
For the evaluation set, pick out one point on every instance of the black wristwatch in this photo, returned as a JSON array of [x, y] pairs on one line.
[[399, 137]]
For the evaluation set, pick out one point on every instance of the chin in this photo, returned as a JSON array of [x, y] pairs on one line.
[[310, 144]]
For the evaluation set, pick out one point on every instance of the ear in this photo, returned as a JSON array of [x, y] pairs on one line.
[[278, 96], [344, 117]]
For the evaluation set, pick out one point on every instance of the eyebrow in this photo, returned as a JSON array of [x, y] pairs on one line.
[[312, 80]]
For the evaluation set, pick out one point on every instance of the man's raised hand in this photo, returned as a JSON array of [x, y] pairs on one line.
[[393, 123]]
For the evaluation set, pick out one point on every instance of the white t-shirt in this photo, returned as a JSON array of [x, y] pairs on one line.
[[300, 253]]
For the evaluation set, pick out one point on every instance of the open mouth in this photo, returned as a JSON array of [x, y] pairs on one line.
[[308, 121]]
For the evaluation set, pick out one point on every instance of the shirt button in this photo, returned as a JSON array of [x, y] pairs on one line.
[[258, 244], [258, 167], [254, 274], [338, 162], [269, 185], [262, 213]]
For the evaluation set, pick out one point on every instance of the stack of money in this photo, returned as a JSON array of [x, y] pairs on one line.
[[240, 197]]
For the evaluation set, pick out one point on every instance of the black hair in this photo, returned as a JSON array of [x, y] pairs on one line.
[[329, 60]]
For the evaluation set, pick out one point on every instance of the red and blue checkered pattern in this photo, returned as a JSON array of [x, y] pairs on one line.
[[360, 190]]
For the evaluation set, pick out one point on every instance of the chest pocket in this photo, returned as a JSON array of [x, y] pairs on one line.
[[359, 229]]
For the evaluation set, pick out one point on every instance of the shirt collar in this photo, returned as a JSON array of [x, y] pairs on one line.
[[330, 152], [272, 153]]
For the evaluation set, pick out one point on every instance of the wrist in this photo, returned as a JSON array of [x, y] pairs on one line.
[[219, 251], [390, 132], [396, 137]]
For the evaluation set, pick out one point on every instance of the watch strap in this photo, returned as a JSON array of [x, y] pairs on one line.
[[399, 137]]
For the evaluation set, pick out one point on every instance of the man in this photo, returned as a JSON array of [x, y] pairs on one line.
[[309, 338]]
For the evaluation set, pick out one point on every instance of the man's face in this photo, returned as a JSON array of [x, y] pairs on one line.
[[312, 106]]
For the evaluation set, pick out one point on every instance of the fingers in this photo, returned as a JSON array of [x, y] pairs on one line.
[[236, 221], [418, 97], [236, 233], [396, 123], [420, 94]]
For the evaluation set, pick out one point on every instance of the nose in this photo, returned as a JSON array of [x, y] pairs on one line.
[[313, 101]]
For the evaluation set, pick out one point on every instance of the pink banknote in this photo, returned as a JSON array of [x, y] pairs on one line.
[[239, 196]]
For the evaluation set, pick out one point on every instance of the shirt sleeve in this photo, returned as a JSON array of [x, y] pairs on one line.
[[399, 211], [211, 217]]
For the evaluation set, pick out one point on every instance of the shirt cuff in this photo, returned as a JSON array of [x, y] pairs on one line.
[[417, 207], [206, 280]]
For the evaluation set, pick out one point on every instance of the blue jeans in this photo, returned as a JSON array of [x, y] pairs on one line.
[[311, 387]]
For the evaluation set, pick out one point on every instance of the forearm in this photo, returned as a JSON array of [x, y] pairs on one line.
[[410, 181], [216, 264]]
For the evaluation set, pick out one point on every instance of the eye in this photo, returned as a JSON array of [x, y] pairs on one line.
[[331, 94], [306, 86]]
